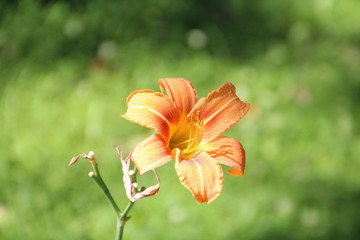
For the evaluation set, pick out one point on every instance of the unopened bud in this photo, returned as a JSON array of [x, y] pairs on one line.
[[135, 184], [73, 160], [131, 172], [91, 174], [91, 155]]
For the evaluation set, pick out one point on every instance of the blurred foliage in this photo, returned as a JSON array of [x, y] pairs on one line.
[[42, 30], [66, 68]]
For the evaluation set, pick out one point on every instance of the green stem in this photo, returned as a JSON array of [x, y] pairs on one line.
[[122, 220], [102, 185]]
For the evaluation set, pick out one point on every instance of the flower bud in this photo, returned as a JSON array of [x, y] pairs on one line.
[[91, 155]]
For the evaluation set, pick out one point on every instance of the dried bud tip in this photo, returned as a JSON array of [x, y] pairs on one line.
[[73, 160]]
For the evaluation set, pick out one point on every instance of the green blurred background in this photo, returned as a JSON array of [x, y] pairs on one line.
[[66, 68]]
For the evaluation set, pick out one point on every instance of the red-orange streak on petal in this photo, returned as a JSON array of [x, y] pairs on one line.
[[152, 110], [151, 153], [202, 176], [181, 91], [227, 151], [220, 110]]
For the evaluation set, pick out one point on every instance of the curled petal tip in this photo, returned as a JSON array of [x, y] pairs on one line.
[[236, 172]]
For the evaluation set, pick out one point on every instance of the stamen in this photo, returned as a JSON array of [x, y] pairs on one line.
[[195, 133]]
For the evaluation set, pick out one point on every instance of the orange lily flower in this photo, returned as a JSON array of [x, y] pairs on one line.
[[188, 131]]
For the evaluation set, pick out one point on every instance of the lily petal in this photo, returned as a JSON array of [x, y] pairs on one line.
[[151, 153], [152, 110], [220, 110], [227, 151], [201, 175], [181, 91]]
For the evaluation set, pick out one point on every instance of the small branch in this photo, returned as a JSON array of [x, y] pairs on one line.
[[95, 174], [97, 177]]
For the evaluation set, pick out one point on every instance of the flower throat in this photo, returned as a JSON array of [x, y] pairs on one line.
[[190, 137]]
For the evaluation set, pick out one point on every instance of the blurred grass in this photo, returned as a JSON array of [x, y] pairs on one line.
[[301, 135]]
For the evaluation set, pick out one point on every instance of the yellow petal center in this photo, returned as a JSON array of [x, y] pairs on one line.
[[188, 136]]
